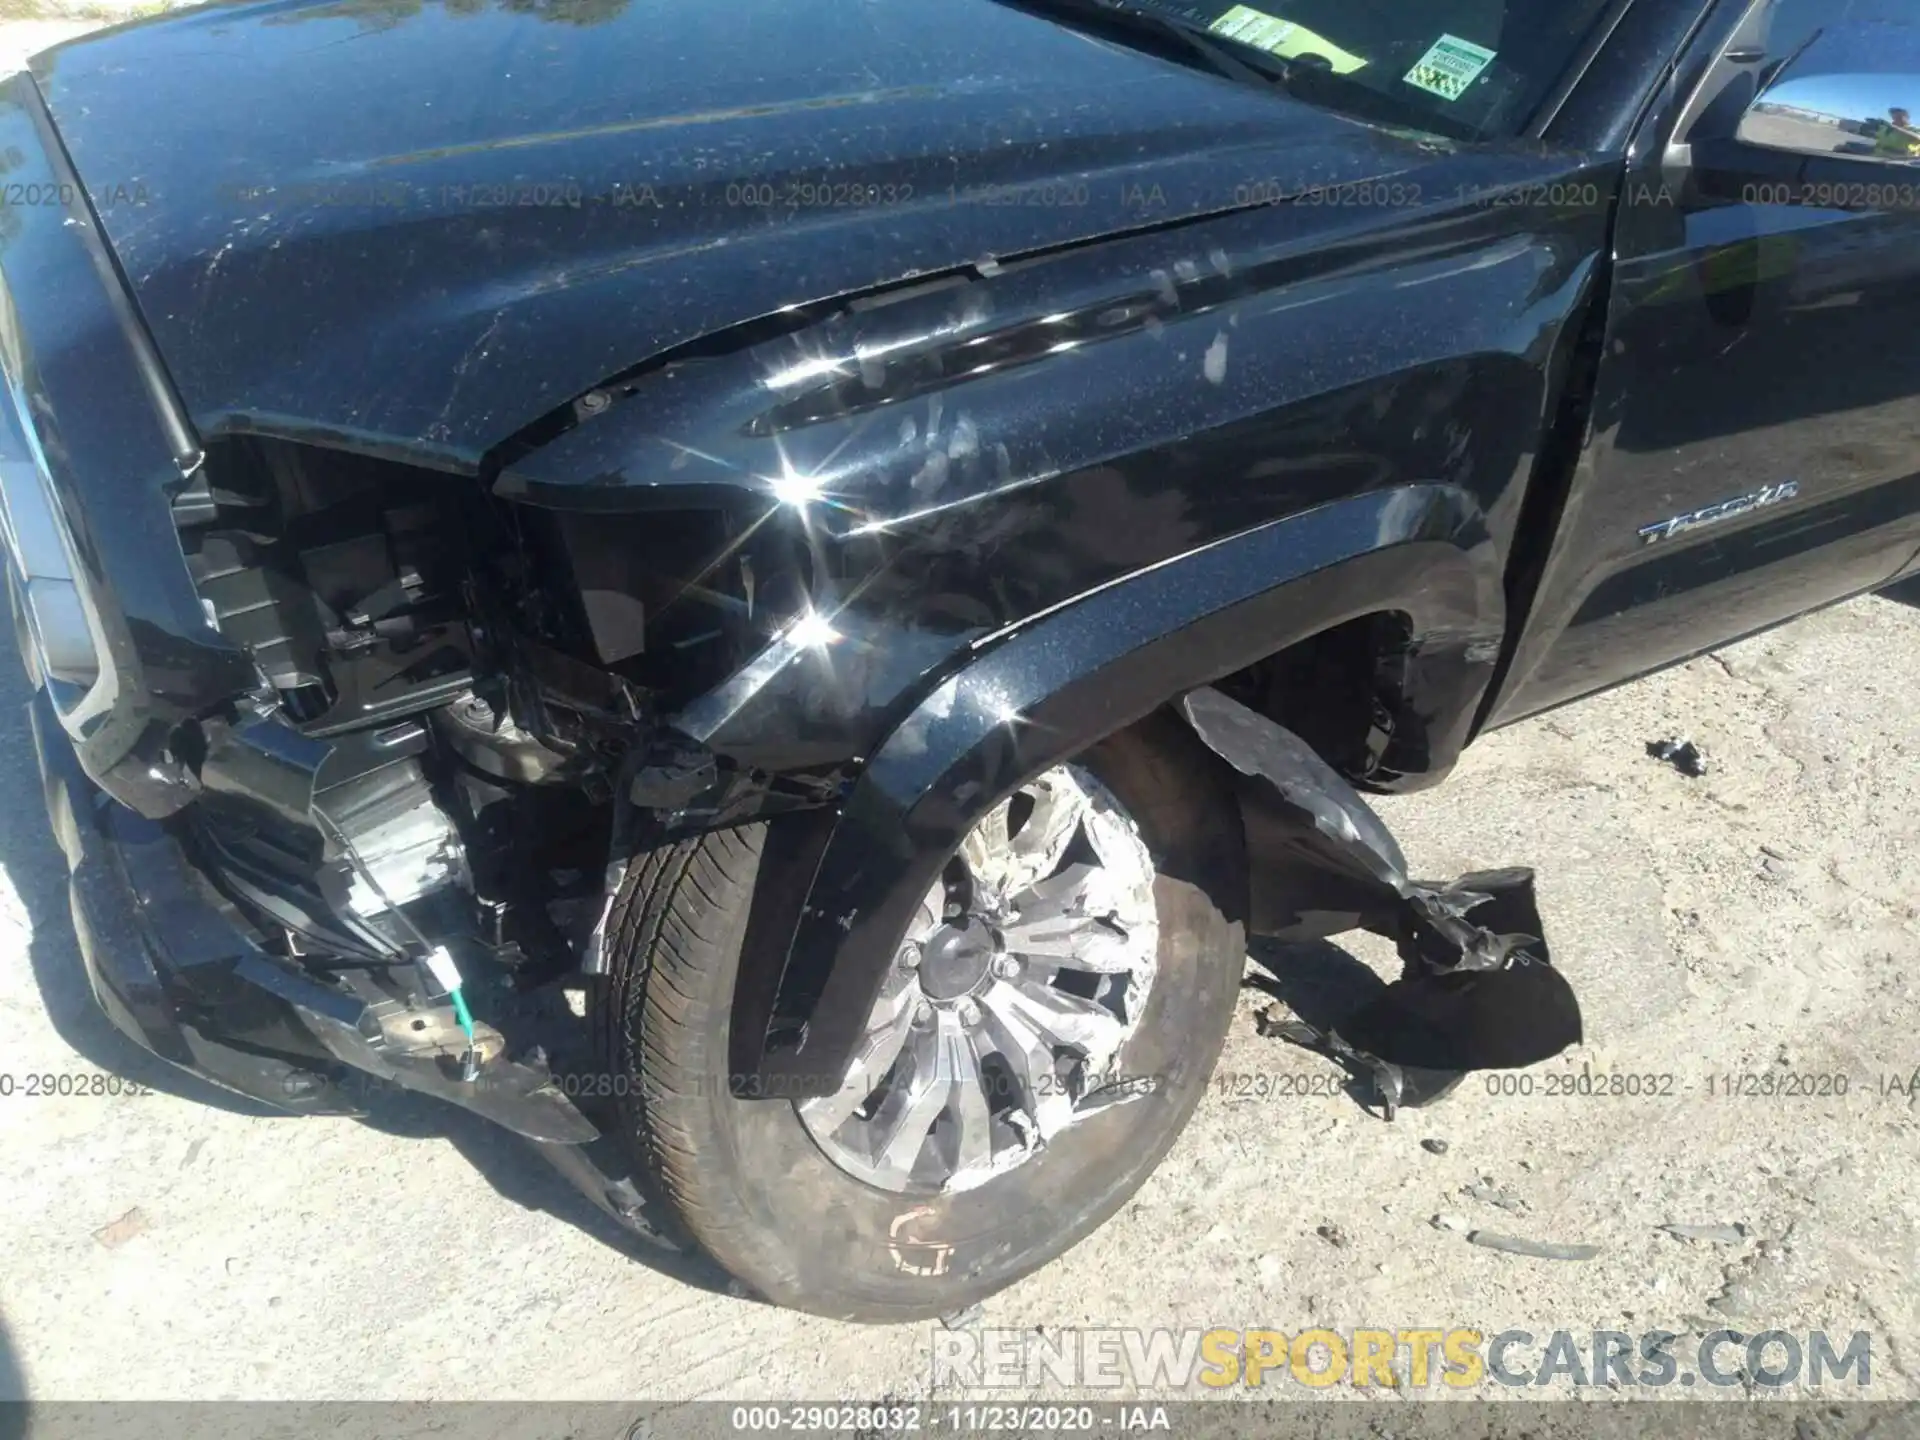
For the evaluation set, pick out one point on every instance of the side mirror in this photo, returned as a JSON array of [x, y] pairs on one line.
[[1852, 94]]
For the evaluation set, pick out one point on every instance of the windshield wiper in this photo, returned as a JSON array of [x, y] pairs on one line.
[[1221, 55]]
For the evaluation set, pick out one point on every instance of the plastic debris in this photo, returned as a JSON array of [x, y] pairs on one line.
[[1733, 1234], [1434, 1147], [1536, 1249], [1388, 1080], [1683, 755], [1489, 1195], [1735, 1302], [116, 1233]]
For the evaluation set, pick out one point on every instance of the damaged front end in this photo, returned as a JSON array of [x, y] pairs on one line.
[[457, 722], [473, 713], [1479, 990], [383, 855], [386, 735], [468, 717]]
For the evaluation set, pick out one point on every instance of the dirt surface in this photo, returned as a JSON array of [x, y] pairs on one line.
[[1757, 921]]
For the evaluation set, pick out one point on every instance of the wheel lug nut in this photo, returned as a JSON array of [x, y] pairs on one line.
[[923, 1012], [1005, 966], [910, 956], [954, 910], [969, 1012]]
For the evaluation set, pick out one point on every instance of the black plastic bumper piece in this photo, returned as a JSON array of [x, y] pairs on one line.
[[163, 960], [175, 970]]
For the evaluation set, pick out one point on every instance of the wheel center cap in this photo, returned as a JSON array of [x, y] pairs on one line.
[[955, 960]]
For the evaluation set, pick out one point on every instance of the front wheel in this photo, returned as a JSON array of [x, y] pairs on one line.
[[1051, 1021]]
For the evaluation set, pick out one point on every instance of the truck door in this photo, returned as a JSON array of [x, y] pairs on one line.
[[1755, 445]]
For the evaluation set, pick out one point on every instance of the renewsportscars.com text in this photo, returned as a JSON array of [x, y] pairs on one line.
[[1397, 1359]]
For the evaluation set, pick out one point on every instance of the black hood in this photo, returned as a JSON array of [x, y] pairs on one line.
[[425, 225]]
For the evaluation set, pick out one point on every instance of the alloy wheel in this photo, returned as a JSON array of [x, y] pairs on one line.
[[1013, 992]]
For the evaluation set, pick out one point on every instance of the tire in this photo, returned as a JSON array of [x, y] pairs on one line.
[[747, 1180]]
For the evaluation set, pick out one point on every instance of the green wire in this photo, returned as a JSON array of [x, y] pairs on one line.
[[461, 1013]]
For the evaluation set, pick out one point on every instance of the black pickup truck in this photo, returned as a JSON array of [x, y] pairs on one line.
[[869, 546]]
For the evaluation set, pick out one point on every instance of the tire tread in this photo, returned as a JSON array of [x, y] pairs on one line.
[[670, 922]]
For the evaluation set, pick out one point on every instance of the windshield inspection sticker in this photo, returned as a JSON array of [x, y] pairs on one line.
[[1450, 67], [1283, 38]]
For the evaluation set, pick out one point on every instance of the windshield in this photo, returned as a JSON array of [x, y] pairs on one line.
[[1469, 69]]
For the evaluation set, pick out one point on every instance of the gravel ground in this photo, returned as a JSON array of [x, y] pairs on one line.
[[1761, 920]]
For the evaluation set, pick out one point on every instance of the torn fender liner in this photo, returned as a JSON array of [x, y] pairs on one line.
[[1337, 829], [1479, 990]]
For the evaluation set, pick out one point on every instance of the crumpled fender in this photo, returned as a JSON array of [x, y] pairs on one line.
[[1056, 684]]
